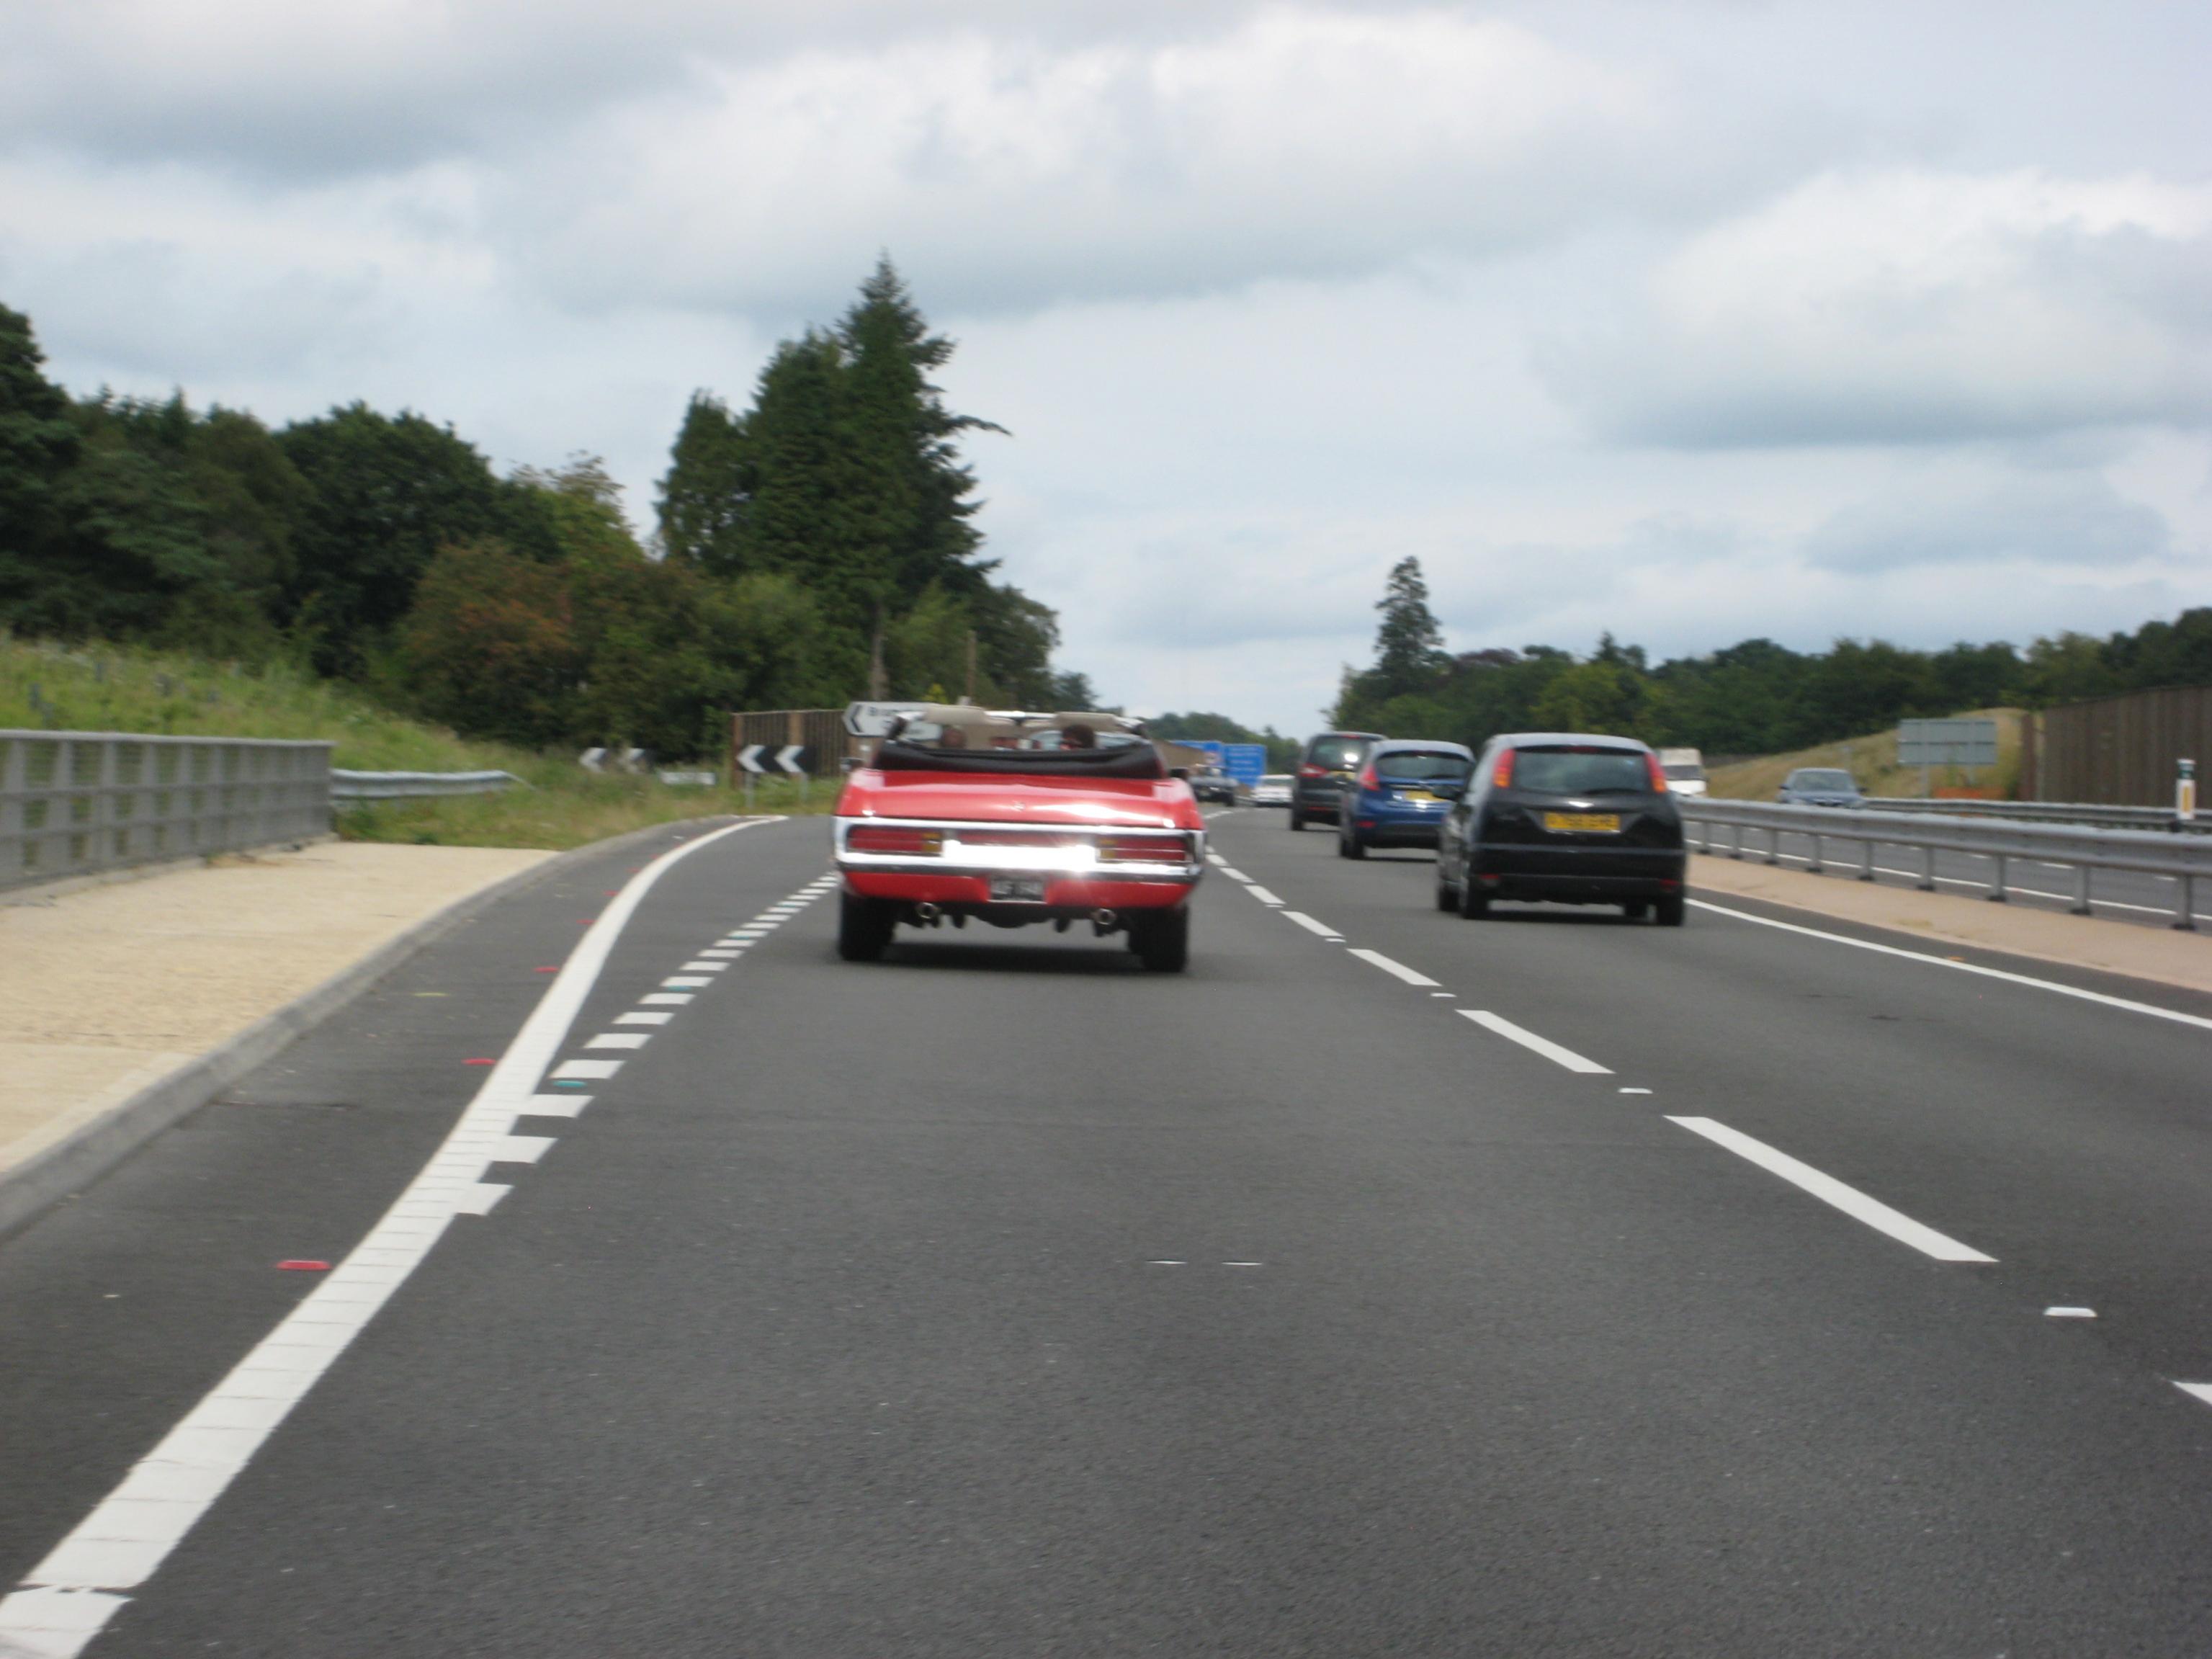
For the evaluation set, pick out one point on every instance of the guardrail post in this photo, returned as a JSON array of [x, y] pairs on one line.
[[1866, 864], [1816, 867], [1735, 840], [1996, 893], [1927, 883], [2184, 920], [2082, 873], [1774, 846]]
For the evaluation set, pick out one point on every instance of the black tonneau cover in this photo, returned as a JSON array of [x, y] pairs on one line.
[[1135, 760]]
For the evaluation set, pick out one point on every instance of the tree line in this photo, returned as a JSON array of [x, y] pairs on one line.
[[1753, 698], [813, 547]]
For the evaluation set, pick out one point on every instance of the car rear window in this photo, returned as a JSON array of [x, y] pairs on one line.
[[1581, 771], [1423, 764], [1338, 753], [1840, 782], [1681, 772]]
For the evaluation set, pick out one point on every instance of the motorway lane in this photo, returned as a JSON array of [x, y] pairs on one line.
[[2115, 895], [2065, 1137], [905, 1309]]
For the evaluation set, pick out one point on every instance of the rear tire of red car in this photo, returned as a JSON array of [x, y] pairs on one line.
[[1161, 940], [1671, 911], [1473, 902], [865, 927]]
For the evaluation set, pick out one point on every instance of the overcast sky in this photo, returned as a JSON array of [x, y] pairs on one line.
[[1690, 321]]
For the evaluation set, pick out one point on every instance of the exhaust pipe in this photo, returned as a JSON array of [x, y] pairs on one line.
[[926, 912], [1103, 918]]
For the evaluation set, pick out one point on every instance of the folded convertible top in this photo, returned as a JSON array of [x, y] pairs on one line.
[[1135, 760]]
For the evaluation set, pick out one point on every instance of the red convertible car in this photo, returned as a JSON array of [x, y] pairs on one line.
[[970, 815]]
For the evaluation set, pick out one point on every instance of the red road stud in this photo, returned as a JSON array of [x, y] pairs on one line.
[[479, 1062], [304, 1265], [544, 970]]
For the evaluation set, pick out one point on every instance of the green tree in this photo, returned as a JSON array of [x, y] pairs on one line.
[[489, 645], [37, 445], [1409, 645]]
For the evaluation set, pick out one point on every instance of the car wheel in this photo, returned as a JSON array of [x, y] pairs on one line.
[[1446, 899], [1473, 902], [1297, 819], [1635, 909], [1672, 910], [1161, 940], [863, 927]]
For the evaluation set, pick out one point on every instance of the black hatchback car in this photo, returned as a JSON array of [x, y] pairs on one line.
[[1326, 766], [1567, 816]]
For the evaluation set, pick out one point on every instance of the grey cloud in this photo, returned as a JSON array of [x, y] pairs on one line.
[[2049, 519]]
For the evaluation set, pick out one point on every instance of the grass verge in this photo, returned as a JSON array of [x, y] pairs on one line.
[[1873, 761], [573, 813]]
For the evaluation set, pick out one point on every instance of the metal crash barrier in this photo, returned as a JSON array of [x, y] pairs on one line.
[[356, 787], [2183, 859], [74, 803]]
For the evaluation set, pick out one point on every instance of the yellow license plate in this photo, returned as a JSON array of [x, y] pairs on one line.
[[1417, 794], [1583, 824]]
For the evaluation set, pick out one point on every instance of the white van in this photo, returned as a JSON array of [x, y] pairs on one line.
[[1684, 769]]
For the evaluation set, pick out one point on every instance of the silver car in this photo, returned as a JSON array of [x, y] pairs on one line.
[[1819, 785], [1273, 789]]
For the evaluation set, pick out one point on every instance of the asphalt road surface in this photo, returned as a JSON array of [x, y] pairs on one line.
[[1388, 1284]]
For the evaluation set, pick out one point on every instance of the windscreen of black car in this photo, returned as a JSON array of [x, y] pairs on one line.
[[1338, 753], [1422, 766], [1582, 771]]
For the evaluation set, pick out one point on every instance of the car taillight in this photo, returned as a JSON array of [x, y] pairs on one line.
[[1659, 784], [912, 840], [1503, 777], [1142, 849], [1310, 770], [1367, 777]]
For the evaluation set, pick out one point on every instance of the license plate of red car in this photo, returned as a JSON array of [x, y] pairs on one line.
[[1018, 890]]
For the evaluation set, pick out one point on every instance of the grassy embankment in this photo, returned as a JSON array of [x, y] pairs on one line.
[[105, 687], [1873, 761]]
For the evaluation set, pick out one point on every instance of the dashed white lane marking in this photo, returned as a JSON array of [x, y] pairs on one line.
[[2070, 1313], [556, 1105], [2051, 985], [589, 1070], [68, 1598], [706, 967], [673, 999], [2196, 1390], [1263, 894], [1829, 1190], [1243, 1264], [679, 983], [1216, 860], [1167, 1264], [1376, 958], [1528, 1039], [635, 1019], [1636, 1091], [1440, 994], [620, 1040], [723, 952], [1313, 926]]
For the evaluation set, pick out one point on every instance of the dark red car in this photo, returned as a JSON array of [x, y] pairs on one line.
[[1016, 819]]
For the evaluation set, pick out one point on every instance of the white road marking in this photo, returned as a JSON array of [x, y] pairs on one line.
[[588, 1070], [2070, 1313], [1216, 860], [1829, 1190], [68, 1598], [1636, 1091], [1243, 1264], [2052, 986], [705, 967], [680, 984], [620, 1040], [1376, 958], [1263, 894], [553, 1106], [2199, 1390], [1167, 1264], [1440, 994], [1313, 926], [643, 1019], [676, 998], [1528, 1039], [723, 952]]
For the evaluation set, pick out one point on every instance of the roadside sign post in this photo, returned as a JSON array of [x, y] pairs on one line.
[[1931, 744], [2185, 791]]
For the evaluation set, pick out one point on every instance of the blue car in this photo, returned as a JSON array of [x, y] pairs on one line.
[[1400, 795]]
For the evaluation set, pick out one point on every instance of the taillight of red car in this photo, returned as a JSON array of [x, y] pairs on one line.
[[908, 840], [1143, 849]]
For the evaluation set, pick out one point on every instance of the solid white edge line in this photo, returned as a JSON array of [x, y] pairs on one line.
[[2051, 985], [1312, 926], [1829, 1190], [68, 1598], [1528, 1039], [1376, 958], [2196, 1390]]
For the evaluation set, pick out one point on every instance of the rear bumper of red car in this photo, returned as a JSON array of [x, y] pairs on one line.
[[1062, 894]]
